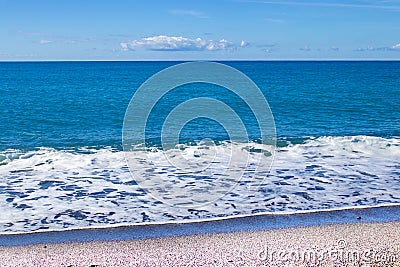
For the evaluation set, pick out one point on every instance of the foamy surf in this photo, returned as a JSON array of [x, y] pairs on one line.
[[50, 189]]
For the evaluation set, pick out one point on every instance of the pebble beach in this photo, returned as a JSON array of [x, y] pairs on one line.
[[345, 237], [353, 244]]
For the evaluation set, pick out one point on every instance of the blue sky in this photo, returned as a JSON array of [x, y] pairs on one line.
[[196, 30]]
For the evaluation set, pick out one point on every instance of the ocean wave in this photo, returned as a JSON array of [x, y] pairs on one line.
[[54, 189]]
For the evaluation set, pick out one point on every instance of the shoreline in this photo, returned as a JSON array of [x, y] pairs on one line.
[[349, 244], [243, 223]]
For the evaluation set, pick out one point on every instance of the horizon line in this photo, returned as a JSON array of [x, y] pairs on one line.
[[195, 60]]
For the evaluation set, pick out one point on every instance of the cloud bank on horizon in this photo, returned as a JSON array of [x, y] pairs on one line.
[[384, 48], [174, 43]]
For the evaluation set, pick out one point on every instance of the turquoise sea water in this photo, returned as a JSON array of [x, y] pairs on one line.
[[61, 165], [74, 104]]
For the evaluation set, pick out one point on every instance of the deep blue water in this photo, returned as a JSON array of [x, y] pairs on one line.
[[75, 104]]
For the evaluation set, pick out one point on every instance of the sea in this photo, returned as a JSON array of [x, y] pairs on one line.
[[63, 164]]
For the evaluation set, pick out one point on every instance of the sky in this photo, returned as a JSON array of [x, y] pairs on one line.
[[42, 30]]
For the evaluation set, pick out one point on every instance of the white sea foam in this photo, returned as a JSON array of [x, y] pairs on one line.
[[53, 189]]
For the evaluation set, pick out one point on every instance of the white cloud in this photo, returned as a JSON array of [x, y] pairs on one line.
[[124, 46], [396, 47], [67, 41], [243, 43], [45, 42], [384, 48], [173, 43]]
